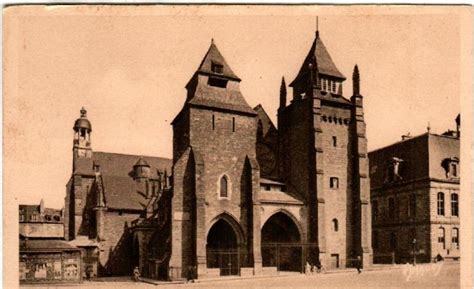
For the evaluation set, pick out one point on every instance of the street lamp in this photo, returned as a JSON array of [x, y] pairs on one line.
[[414, 251]]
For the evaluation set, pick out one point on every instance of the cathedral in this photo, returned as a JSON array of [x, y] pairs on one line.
[[240, 196]]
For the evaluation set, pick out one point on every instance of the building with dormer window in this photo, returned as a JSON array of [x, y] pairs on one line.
[[415, 198]]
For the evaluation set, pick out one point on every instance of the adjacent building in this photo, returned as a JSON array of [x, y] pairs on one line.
[[44, 255], [415, 198], [240, 196]]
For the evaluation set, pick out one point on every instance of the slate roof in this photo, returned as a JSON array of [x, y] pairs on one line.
[[213, 55], [46, 245], [229, 98], [121, 165], [330, 97], [270, 182], [422, 157], [324, 61], [267, 124], [219, 98], [120, 189], [277, 197]]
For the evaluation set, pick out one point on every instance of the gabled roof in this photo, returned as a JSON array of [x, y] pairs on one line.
[[267, 124], [324, 61], [121, 165], [277, 197], [213, 56], [120, 189], [46, 245], [423, 156]]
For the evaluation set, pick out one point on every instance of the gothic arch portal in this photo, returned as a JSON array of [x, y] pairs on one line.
[[224, 245], [281, 242]]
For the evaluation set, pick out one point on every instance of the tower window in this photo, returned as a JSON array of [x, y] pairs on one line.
[[412, 205], [393, 241], [217, 82], [441, 204], [391, 208], [324, 83], [334, 141], [334, 183], [335, 225], [224, 192], [333, 86], [375, 210], [213, 122], [375, 241], [233, 124], [217, 68]]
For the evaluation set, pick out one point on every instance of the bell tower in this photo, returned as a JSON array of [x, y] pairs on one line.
[[82, 137], [82, 149]]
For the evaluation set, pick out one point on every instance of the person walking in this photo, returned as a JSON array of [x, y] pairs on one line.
[[88, 273], [359, 264], [307, 268], [136, 274], [191, 274]]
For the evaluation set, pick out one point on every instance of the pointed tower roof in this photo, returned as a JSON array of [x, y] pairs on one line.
[[220, 95], [141, 163], [324, 62], [214, 57]]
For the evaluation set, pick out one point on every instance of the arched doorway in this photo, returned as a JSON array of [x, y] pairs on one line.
[[281, 243], [222, 248]]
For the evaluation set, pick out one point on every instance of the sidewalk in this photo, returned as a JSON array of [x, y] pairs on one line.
[[271, 276]]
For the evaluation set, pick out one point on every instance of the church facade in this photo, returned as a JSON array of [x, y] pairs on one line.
[[240, 196]]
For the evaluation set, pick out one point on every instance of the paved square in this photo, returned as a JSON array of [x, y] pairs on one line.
[[441, 275]]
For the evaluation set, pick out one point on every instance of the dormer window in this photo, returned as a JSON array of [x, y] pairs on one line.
[[392, 171], [454, 169], [217, 68], [451, 167]]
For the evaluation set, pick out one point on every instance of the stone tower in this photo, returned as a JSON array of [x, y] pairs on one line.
[[82, 137], [323, 160], [81, 181], [215, 172]]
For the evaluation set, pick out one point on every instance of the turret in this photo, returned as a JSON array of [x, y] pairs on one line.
[[282, 93], [458, 125], [356, 81], [141, 169]]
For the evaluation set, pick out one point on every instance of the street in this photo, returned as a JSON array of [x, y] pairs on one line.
[[441, 275]]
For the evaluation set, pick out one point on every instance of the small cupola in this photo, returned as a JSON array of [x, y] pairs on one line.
[[82, 123], [141, 169]]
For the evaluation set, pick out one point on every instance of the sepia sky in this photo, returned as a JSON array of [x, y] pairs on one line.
[[128, 68]]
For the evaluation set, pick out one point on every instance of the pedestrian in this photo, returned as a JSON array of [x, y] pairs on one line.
[[318, 266], [88, 273], [136, 274], [358, 264], [307, 268], [191, 274]]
